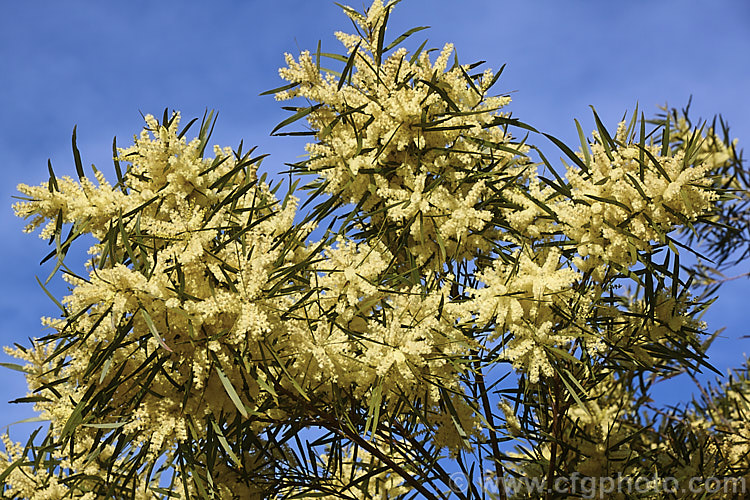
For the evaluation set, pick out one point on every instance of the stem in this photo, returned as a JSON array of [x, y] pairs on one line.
[[373, 450], [555, 431], [444, 476], [334, 426], [730, 278], [710, 402], [492, 433]]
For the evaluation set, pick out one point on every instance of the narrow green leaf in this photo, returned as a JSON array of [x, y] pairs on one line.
[[152, 328], [289, 376], [118, 168], [280, 89], [637, 186], [207, 128], [665, 138], [113, 425], [442, 93], [105, 369], [77, 156], [185, 129], [563, 354], [641, 147], [296, 116], [469, 80], [675, 274], [610, 201], [415, 55], [561, 184], [12, 467], [403, 37], [496, 77], [76, 417], [52, 184], [568, 152], [62, 308], [16, 367], [445, 399], [657, 165], [29, 421], [348, 67], [231, 392], [224, 443], [336, 57], [573, 392], [606, 139], [584, 144], [381, 38], [265, 386], [126, 241], [30, 399], [630, 131]]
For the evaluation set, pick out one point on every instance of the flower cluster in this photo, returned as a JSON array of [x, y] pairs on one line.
[[526, 297], [630, 197], [197, 263], [361, 333], [410, 139], [625, 197], [177, 286]]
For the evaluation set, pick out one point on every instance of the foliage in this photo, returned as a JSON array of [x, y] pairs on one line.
[[448, 305]]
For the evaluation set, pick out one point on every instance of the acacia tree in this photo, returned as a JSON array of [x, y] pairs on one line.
[[450, 315]]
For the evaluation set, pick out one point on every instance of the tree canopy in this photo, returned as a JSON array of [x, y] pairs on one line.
[[428, 308]]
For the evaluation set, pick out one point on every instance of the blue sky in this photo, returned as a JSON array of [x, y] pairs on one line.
[[97, 64]]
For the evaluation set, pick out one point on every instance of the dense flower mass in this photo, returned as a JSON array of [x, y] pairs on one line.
[[175, 289], [524, 298], [221, 344], [179, 287], [412, 141], [630, 197], [625, 197]]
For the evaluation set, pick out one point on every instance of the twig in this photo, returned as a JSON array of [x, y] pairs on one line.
[[492, 433]]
